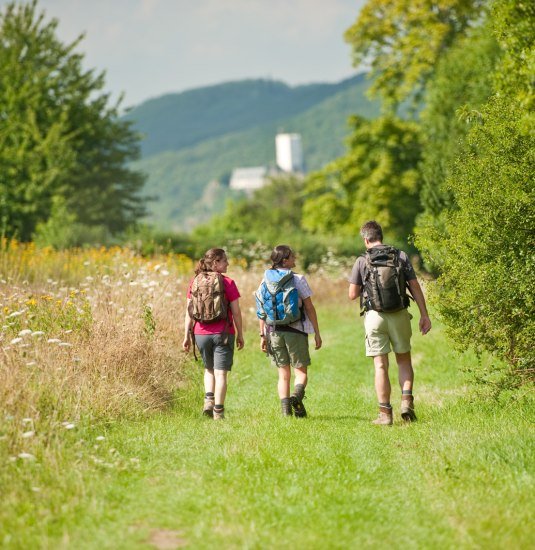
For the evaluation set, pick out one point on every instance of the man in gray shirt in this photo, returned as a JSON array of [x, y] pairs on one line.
[[385, 329]]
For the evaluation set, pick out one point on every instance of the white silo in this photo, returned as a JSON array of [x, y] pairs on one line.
[[289, 152]]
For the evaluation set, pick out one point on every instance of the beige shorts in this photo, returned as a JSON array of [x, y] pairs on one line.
[[383, 329]]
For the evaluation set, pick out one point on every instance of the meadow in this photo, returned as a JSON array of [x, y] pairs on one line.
[[102, 444]]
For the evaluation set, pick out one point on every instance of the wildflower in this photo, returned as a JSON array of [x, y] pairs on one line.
[[165, 272], [68, 425], [31, 302], [26, 456], [25, 332], [15, 314], [157, 267], [37, 333], [16, 341], [100, 438], [31, 364], [27, 435], [65, 345], [53, 341], [89, 279]]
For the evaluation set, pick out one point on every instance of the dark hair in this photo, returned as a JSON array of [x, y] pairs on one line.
[[372, 231], [207, 262], [280, 253]]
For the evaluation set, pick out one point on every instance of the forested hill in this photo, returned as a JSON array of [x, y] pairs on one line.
[[197, 137]]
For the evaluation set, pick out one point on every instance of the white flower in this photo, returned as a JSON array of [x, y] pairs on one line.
[[86, 263], [157, 267], [31, 364], [25, 332], [89, 278], [68, 425], [26, 435], [16, 341], [65, 345], [37, 333], [54, 341], [100, 438], [26, 456], [68, 331], [15, 314], [165, 272]]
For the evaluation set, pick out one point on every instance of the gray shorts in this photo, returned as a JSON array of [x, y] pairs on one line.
[[289, 348], [217, 350]]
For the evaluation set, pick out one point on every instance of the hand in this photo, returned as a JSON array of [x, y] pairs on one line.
[[317, 338], [425, 324], [186, 344], [263, 344], [239, 342]]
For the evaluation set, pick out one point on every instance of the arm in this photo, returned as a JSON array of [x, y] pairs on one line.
[[236, 314], [188, 325], [418, 295], [311, 314], [263, 341], [354, 291]]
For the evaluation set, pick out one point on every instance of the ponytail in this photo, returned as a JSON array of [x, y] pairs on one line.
[[280, 253], [206, 263]]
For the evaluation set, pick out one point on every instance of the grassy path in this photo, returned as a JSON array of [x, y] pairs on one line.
[[462, 476]]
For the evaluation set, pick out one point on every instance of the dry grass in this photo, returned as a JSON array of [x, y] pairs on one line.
[[95, 335]]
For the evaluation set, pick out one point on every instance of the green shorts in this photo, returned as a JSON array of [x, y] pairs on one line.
[[289, 348], [383, 329]]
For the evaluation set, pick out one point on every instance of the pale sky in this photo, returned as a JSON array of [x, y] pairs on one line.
[[152, 47]]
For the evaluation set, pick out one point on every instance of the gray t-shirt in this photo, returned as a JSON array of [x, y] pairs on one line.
[[358, 273]]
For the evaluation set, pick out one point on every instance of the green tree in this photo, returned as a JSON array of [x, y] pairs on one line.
[[59, 136], [451, 105], [271, 211], [376, 179], [485, 291], [403, 40]]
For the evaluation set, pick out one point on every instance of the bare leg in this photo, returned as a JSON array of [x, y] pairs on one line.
[[220, 386], [406, 374], [209, 380], [301, 376], [284, 381], [382, 381]]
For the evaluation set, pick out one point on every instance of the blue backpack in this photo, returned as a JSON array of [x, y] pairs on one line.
[[277, 300]]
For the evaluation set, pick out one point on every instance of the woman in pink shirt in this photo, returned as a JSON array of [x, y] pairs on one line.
[[215, 340]]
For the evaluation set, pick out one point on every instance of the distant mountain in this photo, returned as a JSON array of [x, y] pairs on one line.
[[193, 140]]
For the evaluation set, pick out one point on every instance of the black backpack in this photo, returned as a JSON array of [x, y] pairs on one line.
[[385, 287]]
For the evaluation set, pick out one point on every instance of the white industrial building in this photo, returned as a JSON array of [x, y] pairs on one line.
[[289, 160], [289, 152], [248, 179]]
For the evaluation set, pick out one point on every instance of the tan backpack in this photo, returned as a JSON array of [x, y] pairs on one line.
[[208, 302]]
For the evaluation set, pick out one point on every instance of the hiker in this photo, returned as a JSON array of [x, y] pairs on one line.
[[380, 277], [212, 312], [287, 316]]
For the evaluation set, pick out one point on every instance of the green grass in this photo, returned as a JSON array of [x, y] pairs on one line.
[[461, 477]]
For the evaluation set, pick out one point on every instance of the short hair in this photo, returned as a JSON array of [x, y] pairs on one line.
[[280, 253], [207, 262], [372, 231]]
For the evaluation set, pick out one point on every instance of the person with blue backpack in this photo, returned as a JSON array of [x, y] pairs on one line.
[[287, 316]]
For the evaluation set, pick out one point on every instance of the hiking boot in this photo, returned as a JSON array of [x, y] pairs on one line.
[[385, 417], [208, 408], [407, 409], [219, 414], [286, 407], [298, 407]]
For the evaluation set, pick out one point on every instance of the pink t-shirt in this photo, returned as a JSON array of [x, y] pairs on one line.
[[232, 293]]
